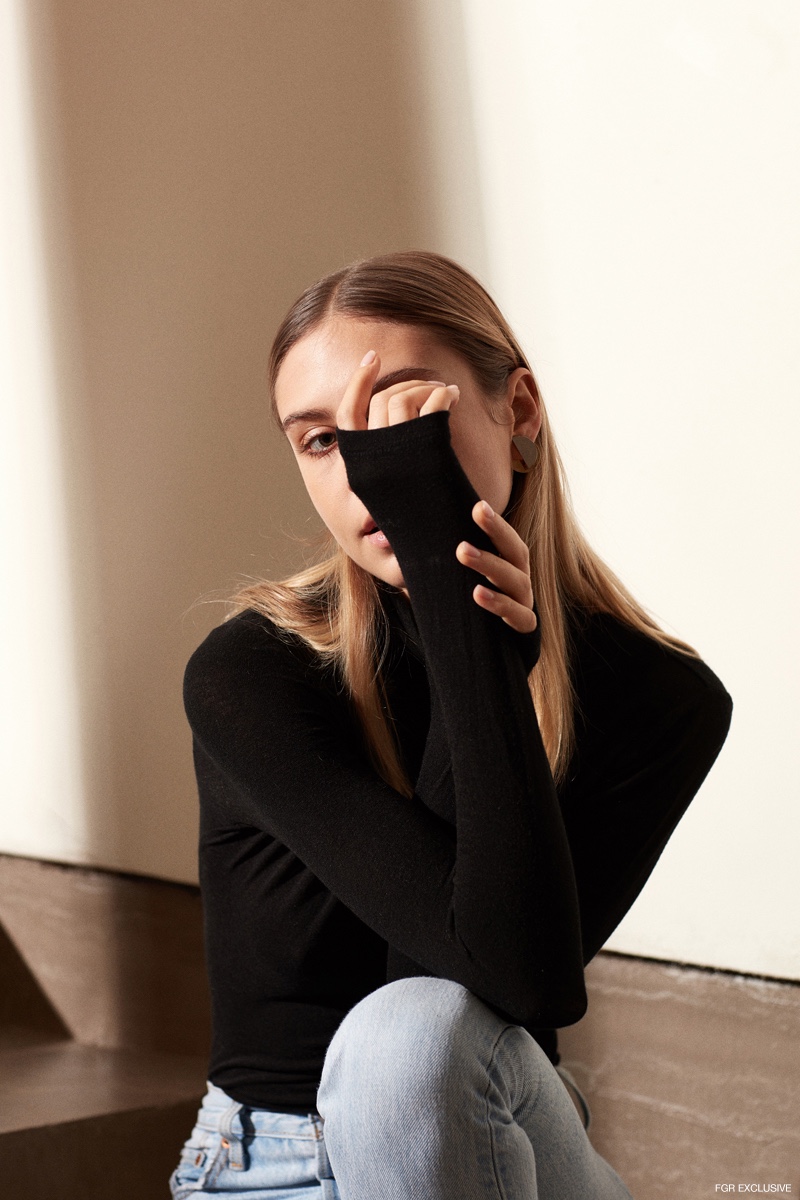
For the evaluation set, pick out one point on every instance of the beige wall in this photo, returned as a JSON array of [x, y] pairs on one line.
[[198, 163], [621, 175]]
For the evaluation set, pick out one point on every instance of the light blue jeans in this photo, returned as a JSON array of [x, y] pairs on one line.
[[426, 1094]]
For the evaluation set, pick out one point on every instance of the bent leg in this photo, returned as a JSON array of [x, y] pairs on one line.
[[427, 1094]]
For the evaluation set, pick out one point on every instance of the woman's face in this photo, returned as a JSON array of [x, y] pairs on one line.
[[310, 386]]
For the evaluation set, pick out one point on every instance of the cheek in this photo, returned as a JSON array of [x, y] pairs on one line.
[[326, 510], [487, 465], [330, 499]]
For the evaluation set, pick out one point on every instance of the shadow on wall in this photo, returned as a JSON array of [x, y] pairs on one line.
[[200, 164]]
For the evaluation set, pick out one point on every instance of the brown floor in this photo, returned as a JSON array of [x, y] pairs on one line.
[[693, 1076]]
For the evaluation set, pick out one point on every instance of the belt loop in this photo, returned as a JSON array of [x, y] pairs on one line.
[[232, 1140], [323, 1163]]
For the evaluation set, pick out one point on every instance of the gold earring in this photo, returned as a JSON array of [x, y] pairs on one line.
[[529, 453]]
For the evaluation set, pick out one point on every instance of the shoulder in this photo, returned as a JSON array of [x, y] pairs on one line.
[[620, 672], [247, 640], [247, 655]]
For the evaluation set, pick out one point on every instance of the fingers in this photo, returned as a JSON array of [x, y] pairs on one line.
[[506, 540], [511, 596], [508, 571], [441, 398], [360, 409], [520, 618], [405, 401], [354, 405], [497, 571]]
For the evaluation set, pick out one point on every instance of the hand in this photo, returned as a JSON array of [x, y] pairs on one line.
[[359, 409], [509, 570]]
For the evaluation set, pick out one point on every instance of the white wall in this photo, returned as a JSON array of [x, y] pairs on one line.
[[641, 185], [43, 810], [624, 177]]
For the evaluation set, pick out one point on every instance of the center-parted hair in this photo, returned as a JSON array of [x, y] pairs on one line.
[[334, 605]]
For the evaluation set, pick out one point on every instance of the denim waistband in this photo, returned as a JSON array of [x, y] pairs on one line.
[[220, 1113]]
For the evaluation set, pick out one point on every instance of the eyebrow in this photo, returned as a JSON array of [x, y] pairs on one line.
[[380, 385]]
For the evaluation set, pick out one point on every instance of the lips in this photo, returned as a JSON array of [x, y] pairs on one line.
[[374, 535]]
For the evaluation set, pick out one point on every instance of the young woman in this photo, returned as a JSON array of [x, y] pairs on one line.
[[435, 770]]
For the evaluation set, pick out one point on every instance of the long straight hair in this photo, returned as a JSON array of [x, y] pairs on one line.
[[334, 605]]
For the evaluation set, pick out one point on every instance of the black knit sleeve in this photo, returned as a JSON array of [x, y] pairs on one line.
[[490, 902], [651, 723]]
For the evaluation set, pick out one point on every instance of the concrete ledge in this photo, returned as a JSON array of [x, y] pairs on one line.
[[103, 1031], [127, 1156], [65, 1082], [693, 1076], [26, 1015], [119, 958]]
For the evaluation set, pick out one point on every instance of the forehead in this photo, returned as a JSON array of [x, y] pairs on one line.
[[318, 367]]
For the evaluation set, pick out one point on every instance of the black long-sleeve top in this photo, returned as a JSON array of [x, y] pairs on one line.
[[321, 882]]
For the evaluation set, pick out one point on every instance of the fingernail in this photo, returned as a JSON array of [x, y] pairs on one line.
[[368, 358], [486, 509], [469, 550], [453, 387]]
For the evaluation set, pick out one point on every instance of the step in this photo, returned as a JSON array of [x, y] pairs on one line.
[[93, 1123]]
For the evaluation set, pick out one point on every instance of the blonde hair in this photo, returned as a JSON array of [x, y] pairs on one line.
[[334, 605]]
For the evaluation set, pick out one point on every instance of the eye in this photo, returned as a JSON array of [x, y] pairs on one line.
[[316, 445]]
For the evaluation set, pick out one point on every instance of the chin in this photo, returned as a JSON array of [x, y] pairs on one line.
[[393, 578], [389, 572], [380, 564]]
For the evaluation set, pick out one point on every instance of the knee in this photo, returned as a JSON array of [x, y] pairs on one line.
[[405, 1014], [406, 1038]]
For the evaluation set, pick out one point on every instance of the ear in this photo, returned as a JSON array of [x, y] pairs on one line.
[[522, 395]]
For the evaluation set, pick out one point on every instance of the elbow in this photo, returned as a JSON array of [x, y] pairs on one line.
[[570, 1009], [547, 1000], [561, 1006]]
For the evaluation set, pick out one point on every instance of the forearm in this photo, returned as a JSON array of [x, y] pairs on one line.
[[514, 906]]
